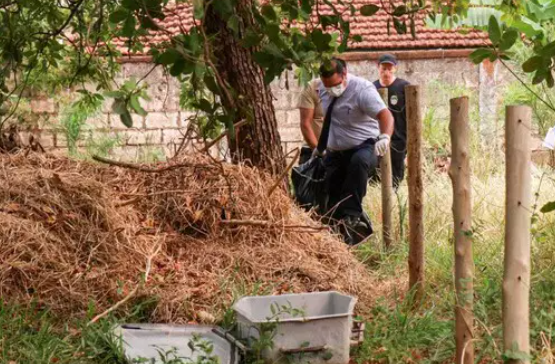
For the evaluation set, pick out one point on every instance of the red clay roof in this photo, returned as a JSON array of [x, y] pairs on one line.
[[373, 30]]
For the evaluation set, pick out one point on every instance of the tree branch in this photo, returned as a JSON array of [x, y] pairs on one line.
[[65, 24]]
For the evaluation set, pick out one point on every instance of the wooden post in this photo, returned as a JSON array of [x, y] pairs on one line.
[[416, 191], [459, 171], [387, 188], [516, 276]]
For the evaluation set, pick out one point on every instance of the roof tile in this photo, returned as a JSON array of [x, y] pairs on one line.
[[372, 29]]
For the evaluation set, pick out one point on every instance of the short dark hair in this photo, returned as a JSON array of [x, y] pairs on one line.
[[335, 65]]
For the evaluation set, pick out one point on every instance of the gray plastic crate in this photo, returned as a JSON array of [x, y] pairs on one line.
[[321, 334], [144, 341]]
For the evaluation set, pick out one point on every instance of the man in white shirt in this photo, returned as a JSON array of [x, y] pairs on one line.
[[360, 130], [311, 115]]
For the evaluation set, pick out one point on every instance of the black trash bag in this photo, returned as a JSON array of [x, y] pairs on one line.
[[310, 185]]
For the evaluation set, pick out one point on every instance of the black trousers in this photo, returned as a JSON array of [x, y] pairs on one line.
[[347, 175], [398, 152]]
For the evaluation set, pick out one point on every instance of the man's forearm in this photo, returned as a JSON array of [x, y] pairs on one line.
[[386, 121], [306, 127]]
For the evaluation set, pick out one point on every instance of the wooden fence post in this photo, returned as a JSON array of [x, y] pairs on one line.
[[516, 275], [387, 188], [459, 171], [416, 191]]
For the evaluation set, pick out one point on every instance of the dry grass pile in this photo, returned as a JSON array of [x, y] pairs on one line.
[[189, 236]]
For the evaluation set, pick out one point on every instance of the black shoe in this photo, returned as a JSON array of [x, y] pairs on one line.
[[355, 230]]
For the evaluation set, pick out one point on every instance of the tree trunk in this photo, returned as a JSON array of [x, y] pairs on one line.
[[459, 172], [516, 277], [416, 191], [257, 143], [387, 188]]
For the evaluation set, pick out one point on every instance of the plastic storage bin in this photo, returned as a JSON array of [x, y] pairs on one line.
[[310, 328]]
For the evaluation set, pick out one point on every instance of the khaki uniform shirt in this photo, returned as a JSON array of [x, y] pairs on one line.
[[310, 99]]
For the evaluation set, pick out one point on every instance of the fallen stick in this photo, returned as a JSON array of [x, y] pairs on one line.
[[130, 294], [285, 173], [147, 169], [263, 223]]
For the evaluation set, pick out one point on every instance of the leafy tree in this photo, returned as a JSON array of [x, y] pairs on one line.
[[233, 50]]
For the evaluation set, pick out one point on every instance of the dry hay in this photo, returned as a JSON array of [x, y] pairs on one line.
[[199, 231]]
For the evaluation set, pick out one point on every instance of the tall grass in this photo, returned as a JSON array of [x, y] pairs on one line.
[[397, 334]]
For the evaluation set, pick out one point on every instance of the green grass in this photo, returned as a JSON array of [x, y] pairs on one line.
[[32, 334], [397, 334]]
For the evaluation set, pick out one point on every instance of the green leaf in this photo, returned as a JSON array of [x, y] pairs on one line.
[[479, 55], [269, 12], [273, 31], [233, 24], [223, 7], [130, 4], [269, 77], [205, 106], [329, 20], [126, 119], [193, 41], [508, 40], [494, 30], [306, 6], [357, 38], [114, 94], [211, 84], [321, 40], [548, 207], [400, 27], [178, 67], [532, 64], [327, 355], [130, 85], [119, 106], [528, 27], [136, 105], [369, 10], [170, 56], [548, 51], [400, 10], [264, 59], [540, 75], [198, 9], [549, 79], [119, 15], [129, 26], [251, 39]]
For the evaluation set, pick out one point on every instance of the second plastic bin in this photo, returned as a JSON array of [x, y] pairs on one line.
[[318, 332]]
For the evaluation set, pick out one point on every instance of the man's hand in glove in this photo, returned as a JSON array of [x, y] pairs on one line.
[[382, 145], [316, 153]]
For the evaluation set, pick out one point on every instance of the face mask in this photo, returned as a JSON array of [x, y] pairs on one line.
[[337, 90]]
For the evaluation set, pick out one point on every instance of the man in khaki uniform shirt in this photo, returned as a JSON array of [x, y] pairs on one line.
[[312, 117]]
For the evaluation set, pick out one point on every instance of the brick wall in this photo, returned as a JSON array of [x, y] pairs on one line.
[[165, 123]]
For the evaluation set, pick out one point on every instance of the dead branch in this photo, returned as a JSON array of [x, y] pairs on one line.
[[146, 169], [269, 224], [285, 172]]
